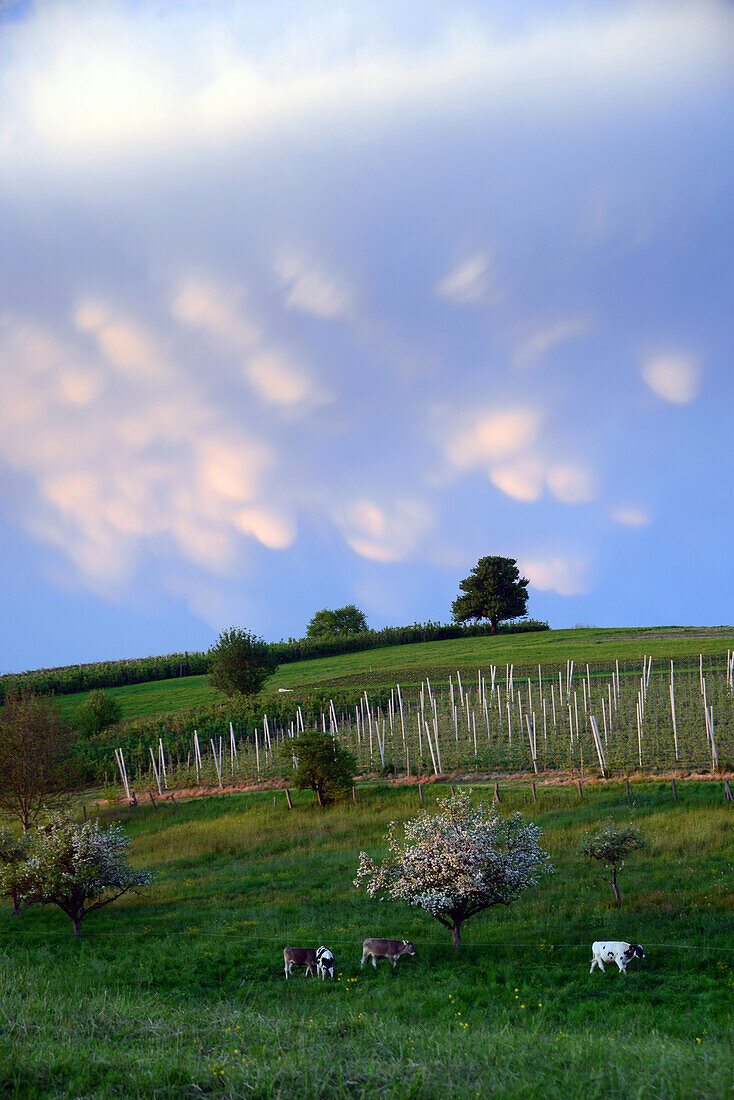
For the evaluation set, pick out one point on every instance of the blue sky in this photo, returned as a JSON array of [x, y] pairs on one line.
[[309, 304]]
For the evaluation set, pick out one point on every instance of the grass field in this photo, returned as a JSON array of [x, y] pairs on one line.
[[409, 664], [180, 992]]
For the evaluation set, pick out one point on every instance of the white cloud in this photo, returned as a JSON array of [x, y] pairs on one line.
[[217, 311], [674, 377], [492, 435], [89, 81], [523, 478], [277, 380], [470, 282], [630, 516], [572, 483], [272, 528], [311, 290], [125, 344], [564, 575], [385, 532], [537, 343]]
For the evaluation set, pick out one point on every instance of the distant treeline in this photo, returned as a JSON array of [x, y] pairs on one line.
[[142, 670]]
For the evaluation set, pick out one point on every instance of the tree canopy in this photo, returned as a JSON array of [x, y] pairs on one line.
[[97, 713], [35, 758], [79, 867], [457, 862], [240, 662], [493, 590], [613, 846], [335, 624], [321, 765]]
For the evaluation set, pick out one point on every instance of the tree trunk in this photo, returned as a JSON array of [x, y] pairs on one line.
[[77, 926], [26, 823], [493, 623], [456, 935], [614, 884]]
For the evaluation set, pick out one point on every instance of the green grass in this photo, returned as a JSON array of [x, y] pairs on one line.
[[180, 992], [409, 664]]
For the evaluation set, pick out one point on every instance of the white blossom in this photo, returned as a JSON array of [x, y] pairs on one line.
[[457, 862]]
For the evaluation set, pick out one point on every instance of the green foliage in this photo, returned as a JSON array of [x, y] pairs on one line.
[[613, 846], [98, 713], [13, 852], [35, 759], [337, 623], [78, 867], [493, 590], [240, 662], [322, 765]]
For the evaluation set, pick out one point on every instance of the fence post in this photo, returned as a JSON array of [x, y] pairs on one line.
[[420, 792], [627, 785], [84, 811], [675, 789], [581, 790], [497, 793], [354, 794], [288, 799], [173, 800], [150, 796], [727, 790], [535, 795], [453, 792]]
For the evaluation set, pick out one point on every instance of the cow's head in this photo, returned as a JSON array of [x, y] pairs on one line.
[[408, 948]]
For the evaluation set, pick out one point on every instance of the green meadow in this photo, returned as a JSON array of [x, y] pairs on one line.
[[180, 992], [409, 664]]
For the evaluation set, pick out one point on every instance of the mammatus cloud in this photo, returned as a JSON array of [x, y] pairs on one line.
[[308, 289], [471, 282], [493, 434], [522, 478], [630, 516], [536, 343], [385, 532], [526, 477], [572, 483], [675, 377], [563, 575]]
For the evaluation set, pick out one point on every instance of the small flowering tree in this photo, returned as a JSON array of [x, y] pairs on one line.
[[13, 851], [80, 868], [457, 862], [613, 846]]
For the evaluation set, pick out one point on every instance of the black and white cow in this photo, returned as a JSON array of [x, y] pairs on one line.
[[324, 962], [617, 951]]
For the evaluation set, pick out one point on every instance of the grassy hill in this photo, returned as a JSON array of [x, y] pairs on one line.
[[180, 991], [409, 664]]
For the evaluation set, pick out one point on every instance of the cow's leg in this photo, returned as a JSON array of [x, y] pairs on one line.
[[394, 960], [365, 956], [374, 962], [287, 974], [622, 966], [593, 964]]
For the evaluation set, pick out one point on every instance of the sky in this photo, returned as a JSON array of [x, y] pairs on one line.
[[313, 303]]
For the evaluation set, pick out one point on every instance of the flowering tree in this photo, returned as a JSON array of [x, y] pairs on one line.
[[13, 851], [613, 846], [457, 862], [80, 868]]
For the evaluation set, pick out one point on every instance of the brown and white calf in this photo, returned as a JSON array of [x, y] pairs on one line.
[[299, 956], [386, 949]]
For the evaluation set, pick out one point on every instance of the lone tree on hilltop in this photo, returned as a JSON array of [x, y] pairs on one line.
[[457, 862], [97, 713], [321, 765], [80, 868], [493, 590], [613, 846], [35, 757], [337, 623], [240, 662]]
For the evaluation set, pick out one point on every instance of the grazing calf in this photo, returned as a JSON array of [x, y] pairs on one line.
[[386, 949], [615, 951], [324, 962], [299, 956]]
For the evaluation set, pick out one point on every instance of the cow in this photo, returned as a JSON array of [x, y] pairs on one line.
[[299, 956], [386, 949], [618, 951], [324, 962]]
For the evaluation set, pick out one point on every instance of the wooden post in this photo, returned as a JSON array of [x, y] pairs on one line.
[[727, 790], [173, 800], [535, 795], [675, 791], [133, 799], [288, 799], [497, 793], [354, 794], [150, 795], [453, 792], [84, 811], [420, 792], [581, 789], [627, 786]]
